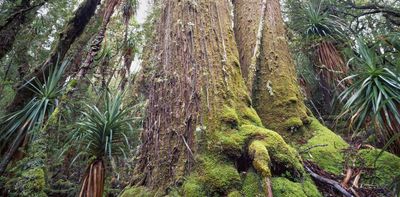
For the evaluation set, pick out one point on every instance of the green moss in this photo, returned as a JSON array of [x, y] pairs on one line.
[[137, 191], [252, 184], [219, 177], [234, 143], [192, 187], [30, 182], [53, 119], [249, 117], [234, 194], [280, 152], [229, 116], [387, 167], [283, 187], [214, 177], [261, 158], [72, 84], [329, 157], [293, 123]]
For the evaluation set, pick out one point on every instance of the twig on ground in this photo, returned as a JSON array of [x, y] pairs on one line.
[[331, 182], [311, 147], [347, 178], [357, 179]]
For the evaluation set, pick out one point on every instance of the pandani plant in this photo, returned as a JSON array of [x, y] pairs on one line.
[[20, 127], [103, 134], [373, 99], [321, 32]]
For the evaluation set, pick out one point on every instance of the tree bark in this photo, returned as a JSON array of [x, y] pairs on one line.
[[72, 30], [275, 92], [93, 181], [96, 43], [200, 130], [249, 24]]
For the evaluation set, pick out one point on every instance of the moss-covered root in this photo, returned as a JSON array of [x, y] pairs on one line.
[[266, 148], [281, 186], [261, 161]]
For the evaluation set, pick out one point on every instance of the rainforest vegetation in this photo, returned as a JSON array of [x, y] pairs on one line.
[[232, 98]]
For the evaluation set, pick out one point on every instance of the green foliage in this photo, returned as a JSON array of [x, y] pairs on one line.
[[104, 131], [193, 187], [312, 21], [34, 114], [374, 93]]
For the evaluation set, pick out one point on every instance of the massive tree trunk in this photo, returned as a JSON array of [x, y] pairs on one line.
[[21, 16], [201, 136], [72, 30], [275, 92]]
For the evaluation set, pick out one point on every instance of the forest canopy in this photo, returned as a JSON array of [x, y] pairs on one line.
[[275, 98]]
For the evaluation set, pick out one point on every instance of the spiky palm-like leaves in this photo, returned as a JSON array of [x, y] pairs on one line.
[[35, 112], [321, 30], [374, 97], [313, 22], [102, 129], [103, 132], [14, 127]]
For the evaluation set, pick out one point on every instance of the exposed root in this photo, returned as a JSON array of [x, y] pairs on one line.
[[261, 160]]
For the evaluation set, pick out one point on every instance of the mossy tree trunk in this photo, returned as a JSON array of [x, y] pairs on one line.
[[22, 15], [275, 92], [201, 136]]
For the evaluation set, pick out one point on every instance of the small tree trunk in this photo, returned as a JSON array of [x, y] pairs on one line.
[[93, 181], [331, 68], [96, 43], [12, 149]]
